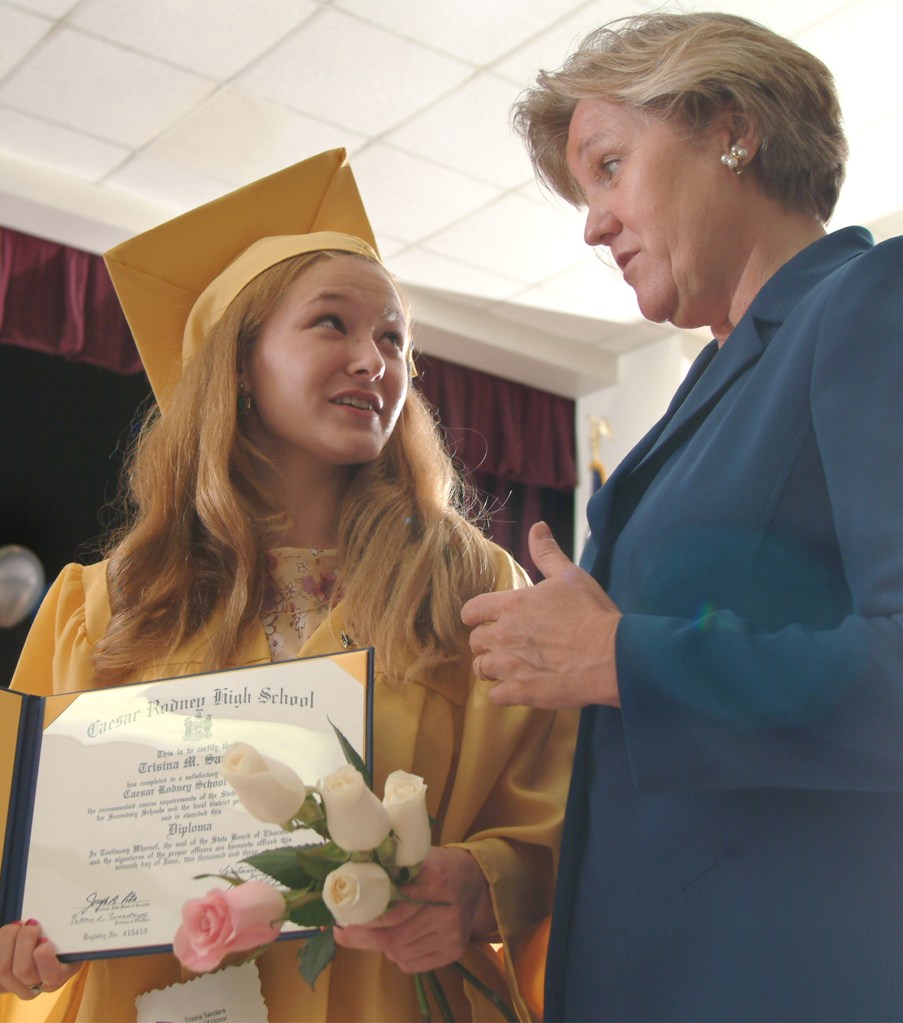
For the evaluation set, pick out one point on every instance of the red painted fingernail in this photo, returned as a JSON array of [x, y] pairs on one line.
[[43, 941], [31, 923]]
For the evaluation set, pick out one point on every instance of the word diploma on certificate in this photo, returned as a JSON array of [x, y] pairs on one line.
[[112, 802]]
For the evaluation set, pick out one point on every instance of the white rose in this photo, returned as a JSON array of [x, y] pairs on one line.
[[268, 789], [356, 819], [405, 801], [357, 893]]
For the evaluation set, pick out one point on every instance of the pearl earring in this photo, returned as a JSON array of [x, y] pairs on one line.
[[733, 158]]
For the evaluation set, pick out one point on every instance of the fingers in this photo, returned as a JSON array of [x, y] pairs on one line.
[[28, 961], [545, 552], [548, 558], [480, 669], [435, 928], [424, 941], [390, 934], [485, 607], [54, 974], [19, 974]]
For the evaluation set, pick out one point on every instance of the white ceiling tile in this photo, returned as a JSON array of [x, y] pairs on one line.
[[887, 226], [606, 335], [594, 288], [19, 31], [417, 90], [534, 309], [212, 37], [389, 247], [549, 49], [784, 18], [67, 152], [52, 8], [409, 198], [866, 96], [872, 185], [181, 189], [83, 83], [529, 241], [472, 30], [469, 131], [418, 266], [239, 138], [340, 69]]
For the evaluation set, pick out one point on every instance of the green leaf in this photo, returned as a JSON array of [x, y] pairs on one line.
[[353, 757], [283, 865], [298, 866], [312, 914], [320, 860], [315, 955]]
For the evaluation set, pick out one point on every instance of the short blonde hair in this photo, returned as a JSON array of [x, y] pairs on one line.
[[687, 70]]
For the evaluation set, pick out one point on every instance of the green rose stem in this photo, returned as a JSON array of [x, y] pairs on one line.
[[422, 1000], [310, 815], [439, 995], [485, 991], [295, 899], [442, 1002]]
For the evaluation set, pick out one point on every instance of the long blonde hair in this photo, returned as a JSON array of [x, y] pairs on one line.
[[201, 521]]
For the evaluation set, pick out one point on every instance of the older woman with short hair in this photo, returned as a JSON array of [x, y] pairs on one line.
[[734, 836]]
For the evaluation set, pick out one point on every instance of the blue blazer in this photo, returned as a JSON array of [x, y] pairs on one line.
[[734, 837]]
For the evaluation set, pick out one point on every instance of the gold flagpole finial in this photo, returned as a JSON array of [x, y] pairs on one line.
[[599, 427]]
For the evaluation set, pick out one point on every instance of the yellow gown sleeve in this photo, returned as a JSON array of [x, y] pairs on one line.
[[56, 657], [63, 605], [511, 785]]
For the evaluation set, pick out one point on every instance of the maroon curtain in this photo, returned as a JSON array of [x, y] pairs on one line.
[[516, 442], [59, 300]]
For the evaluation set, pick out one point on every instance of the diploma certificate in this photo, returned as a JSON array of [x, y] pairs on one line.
[[116, 801]]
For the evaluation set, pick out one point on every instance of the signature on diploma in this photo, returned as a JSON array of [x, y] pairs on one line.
[[125, 909], [96, 903]]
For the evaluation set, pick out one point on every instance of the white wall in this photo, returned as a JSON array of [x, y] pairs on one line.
[[647, 380]]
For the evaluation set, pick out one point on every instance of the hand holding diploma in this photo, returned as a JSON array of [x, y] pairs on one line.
[[28, 961]]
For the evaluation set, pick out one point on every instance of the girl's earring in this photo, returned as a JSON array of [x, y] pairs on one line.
[[244, 401]]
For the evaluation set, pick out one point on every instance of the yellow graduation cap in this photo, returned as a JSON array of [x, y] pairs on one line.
[[176, 280]]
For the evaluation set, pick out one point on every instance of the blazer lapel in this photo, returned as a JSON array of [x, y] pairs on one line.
[[601, 510], [598, 505], [726, 365], [710, 376]]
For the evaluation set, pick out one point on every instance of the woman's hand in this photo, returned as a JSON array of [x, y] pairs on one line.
[[551, 645], [424, 935], [28, 962]]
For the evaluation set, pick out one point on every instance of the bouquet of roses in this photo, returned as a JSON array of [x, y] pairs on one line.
[[369, 849]]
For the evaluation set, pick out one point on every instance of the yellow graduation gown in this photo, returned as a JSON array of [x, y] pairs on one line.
[[497, 782]]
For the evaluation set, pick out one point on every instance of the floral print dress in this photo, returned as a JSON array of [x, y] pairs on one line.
[[302, 586]]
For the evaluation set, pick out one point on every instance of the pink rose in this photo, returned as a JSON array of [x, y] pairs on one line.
[[236, 920]]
